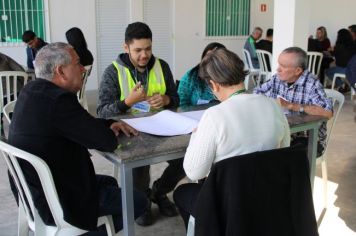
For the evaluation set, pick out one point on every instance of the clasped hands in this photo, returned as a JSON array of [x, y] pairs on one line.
[[138, 94], [286, 104]]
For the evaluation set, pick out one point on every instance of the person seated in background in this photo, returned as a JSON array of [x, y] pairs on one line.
[[343, 51], [250, 45], [192, 90], [49, 122], [351, 72], [9, 64], [34, 44], [352, 29], [297, 89], [321, 43], [351, 77], [75, 37], [242, 123], [267, 43]]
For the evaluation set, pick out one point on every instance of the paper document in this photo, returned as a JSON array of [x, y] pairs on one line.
[[167, 123]]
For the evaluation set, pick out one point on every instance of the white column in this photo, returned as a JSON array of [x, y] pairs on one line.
[[291, 26]]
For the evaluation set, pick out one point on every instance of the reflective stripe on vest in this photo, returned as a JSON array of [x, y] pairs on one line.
[[156, 82]]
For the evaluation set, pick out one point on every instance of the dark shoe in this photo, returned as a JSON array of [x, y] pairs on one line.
[[345, 89], [166, 207], [146, 218]]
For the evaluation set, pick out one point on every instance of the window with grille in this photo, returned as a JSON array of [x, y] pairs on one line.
[[17, 16], [227, 17]]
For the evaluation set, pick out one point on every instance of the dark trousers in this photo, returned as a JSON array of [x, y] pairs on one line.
[[166, 183], [110, 203], [185, 197], [303, 142]]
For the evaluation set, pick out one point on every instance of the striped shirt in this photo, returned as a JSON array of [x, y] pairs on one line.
[[307, 90]]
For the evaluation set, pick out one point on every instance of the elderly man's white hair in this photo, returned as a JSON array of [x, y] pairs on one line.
[[51, 56]]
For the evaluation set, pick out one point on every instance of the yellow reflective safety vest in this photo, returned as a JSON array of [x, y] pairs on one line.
[[156, 82]]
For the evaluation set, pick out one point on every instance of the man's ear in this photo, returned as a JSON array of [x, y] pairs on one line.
[[59, 71], [299, 71], [126, 47]]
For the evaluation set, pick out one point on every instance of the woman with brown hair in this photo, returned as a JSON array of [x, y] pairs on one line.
[[242, 123]]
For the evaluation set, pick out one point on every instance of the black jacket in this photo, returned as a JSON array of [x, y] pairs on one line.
[[263, 193], [50, 123]]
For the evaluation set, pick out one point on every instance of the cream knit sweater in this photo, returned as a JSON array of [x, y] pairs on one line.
[[242, 124]]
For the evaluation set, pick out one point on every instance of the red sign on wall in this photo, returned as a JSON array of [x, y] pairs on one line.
[[263, 7]]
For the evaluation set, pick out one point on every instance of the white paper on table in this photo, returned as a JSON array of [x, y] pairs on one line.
[[167, 123]]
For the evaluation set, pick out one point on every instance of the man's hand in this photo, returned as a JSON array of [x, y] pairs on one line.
[[137, 94], [116, 127], [157, 100]]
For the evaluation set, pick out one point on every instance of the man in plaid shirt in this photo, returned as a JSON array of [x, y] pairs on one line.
[[297, 89]]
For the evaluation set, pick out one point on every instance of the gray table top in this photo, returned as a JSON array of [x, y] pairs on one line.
[[145, 145]]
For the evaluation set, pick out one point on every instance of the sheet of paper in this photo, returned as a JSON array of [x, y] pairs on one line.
[[196, 115], [166, 123]]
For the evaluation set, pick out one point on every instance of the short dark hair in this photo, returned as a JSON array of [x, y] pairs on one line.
[[223, 67], [28, 35], [269, 33], [352, 28], [302, 58], [137, 30]]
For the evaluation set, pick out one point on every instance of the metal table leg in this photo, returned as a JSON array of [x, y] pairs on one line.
[[312, 152], [127, 199]]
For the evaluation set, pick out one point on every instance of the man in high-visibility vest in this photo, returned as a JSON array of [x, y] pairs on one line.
[[137, 80]]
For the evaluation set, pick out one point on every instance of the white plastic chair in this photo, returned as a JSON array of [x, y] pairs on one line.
[[342, 76], [191, 225], [314, 62], [9, 86], [265, 61], [28, 214], [81, 93], [338, 101], [253, 72], [8, 109]]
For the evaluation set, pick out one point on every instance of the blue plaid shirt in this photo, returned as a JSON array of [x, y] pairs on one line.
[[307, 90]]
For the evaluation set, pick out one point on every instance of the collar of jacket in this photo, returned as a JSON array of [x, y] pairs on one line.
[[124, 59]]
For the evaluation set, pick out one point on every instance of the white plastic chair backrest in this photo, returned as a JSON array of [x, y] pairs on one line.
[[338, 101], [11, 154], [314, 62], [342, 76], [11, 79], [264, 59], [8, 109], [86, 74], [247, 59]]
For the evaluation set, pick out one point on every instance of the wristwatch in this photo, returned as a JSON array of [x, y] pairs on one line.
[[301, 109]]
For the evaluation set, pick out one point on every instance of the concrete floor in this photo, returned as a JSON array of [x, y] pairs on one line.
[[340, 217]]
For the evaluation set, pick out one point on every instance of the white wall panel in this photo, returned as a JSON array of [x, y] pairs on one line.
[[158, 15], [112, 19]]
